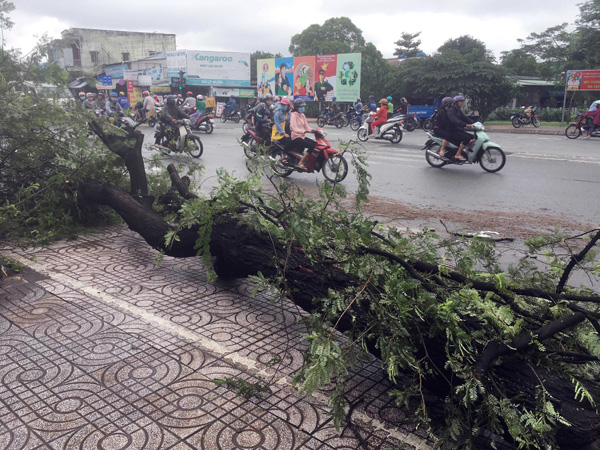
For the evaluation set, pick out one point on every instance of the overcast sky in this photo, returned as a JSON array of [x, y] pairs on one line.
[[239, 25]]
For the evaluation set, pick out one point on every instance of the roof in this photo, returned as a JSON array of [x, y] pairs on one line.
[[74, 29]]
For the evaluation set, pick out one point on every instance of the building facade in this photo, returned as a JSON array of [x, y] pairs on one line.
[[89, 50]]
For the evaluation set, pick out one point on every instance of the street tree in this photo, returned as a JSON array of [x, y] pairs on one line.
[[587, 33], [408, 44], [519, 62], [450, 72], [258, 54], [467, 45], [336, 35]]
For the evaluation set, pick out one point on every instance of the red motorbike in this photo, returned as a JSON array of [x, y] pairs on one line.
[[322, 158], [252, 142], [204, 123], [578, 127]]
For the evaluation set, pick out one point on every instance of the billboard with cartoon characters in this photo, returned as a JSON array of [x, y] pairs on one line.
[[583, 80], [311, 78]]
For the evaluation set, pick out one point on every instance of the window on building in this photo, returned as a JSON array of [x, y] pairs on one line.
[[94, 56], [125, 56], [151, 53]]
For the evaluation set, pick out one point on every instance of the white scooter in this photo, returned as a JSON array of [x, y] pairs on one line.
[[390, 130]]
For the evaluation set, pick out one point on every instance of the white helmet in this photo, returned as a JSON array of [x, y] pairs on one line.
[[199, 97]]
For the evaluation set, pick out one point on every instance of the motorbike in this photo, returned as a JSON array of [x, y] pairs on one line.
[[409, 121], [204, 123], [529, 117], [356, 122], [329, 161], [235, 116], [178, 139], [252, 142], [429, 122], [488, 154], [578, 127], [336, 119], [389, 131], [348, 116]]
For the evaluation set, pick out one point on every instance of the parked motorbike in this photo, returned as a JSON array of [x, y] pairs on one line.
[[235, 116], [389, 131], [322, 158], [178, 139], [528, 117], [577, 128], [336, 119], [489, 155], [204, 123]]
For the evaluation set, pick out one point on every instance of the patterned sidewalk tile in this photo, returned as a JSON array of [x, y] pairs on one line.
[[110, 351]]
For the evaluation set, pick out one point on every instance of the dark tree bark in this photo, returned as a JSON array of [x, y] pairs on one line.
[[239, 251]]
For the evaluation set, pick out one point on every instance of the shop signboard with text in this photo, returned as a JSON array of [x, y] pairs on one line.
[[583, 80], [204, 68]]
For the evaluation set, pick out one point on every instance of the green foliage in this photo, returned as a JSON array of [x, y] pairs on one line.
[[408, 44], [520, 62], [258, 54], [451, 72], [467, 46]]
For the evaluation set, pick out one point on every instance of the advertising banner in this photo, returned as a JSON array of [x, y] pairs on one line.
[[284, 76], [247, 93], [216, 69], [129, 86], [155, 73], [144, 80], [304, 78], [583, 80], [225, 92], [325, 86], [115, 71], [348, 77], [130, 75], [265, 76], [161, 89], [134, 96], [177, 61]]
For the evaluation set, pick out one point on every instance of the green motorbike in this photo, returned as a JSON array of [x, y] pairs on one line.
[[489, 155]]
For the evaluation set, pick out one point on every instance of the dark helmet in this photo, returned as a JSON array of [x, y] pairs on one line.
[[446, 101], [298, 103], [403, 100], [231, 96], [458, 98], [371, 97], [267, 97], [171, 100]]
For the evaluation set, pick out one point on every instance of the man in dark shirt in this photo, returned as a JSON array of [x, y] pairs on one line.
[[443, 126], [459, 123], [322, 87]]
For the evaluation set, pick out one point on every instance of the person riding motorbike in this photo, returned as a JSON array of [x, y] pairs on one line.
[[262, 116], [403, 106], [299, 127], [89, 102], [230, 106], [443, 127], [459, 122], [282, 122], [390, 107], [179, 100], [170, 115], [100, 103], [380, 118], [148, 104], [334, 108], [82, 96], [190, 102], [113, 107], [123, 101]]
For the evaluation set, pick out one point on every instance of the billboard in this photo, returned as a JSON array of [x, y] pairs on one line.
[[583, 80], [265, 76], [204, 68], [311, 78]]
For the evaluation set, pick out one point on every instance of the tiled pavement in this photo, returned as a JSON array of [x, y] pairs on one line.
[[106, 350]]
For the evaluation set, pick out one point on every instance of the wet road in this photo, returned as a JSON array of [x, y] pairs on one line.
[[548, 175]]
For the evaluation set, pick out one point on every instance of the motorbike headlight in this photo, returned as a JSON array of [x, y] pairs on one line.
[[187, 121]]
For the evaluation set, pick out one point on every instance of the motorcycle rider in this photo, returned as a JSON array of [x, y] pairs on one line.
[[282, 121], [82, 96], [299, 127], [230, 106], [381, 116], [459, 122], [358, 106], [100, 103], [147, 105], [200, 109], [334, 109], [123, 100], [390, 106], [179, 100], [89, 102], [113, 107], [443, 126], [403, 106], [170, 115], [189, 102], [263, 115]]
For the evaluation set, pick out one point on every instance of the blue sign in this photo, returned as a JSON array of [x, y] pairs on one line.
[[105, 80]]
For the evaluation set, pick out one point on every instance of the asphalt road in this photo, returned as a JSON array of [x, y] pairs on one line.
[[548, 175]]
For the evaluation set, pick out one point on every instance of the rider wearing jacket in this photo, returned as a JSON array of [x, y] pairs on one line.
[[170, 115], [459, 122], [230, 106], [443, 127], [282, 121], [390, 107], [262, 116], [381, 116], [299, 127]]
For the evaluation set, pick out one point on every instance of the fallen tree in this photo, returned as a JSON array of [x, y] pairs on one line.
[[506, 353]]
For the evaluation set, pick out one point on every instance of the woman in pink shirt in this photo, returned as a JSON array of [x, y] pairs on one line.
[[299, 127]]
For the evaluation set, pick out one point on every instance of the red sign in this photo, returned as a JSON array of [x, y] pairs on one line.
[[130, 86], [583, 80]]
